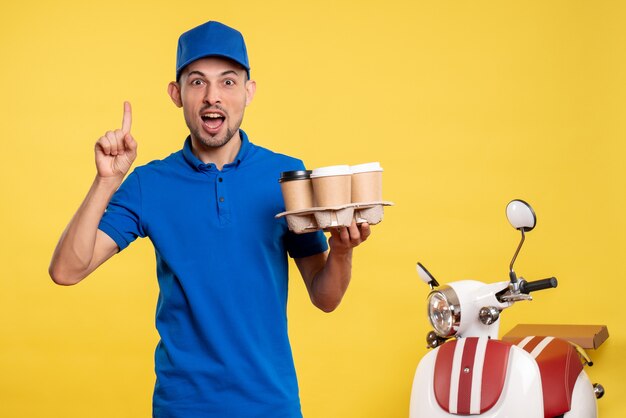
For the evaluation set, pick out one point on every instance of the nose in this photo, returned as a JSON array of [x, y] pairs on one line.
[[211, 95]]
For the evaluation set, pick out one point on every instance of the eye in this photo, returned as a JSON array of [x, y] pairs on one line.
[[229, 82], [197, 82]]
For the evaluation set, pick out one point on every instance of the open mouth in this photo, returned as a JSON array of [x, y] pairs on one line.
[[213, 121]]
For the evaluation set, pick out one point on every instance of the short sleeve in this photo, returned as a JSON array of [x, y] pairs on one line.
[[304, 245], [122, 219]]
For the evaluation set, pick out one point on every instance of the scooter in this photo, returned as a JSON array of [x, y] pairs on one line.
[[470, 372]]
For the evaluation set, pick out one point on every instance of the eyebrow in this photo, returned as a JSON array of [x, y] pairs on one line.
[[200, 73]]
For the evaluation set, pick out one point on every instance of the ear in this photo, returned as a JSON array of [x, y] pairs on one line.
[[173, 89], [250, 90]]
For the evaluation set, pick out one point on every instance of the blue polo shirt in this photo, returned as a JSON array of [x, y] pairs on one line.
[[223, 272]]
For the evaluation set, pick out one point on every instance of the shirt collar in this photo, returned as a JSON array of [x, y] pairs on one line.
[[195, 162]]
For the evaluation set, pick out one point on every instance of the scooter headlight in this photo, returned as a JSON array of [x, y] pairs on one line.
[[444, 311]]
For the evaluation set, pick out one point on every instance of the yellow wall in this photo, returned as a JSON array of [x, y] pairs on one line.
[[466, 104]]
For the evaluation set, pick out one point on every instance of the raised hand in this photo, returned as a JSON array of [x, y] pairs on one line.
[[116, 150]]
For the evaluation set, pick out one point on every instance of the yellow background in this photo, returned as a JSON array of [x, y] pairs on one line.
[[466, 104]]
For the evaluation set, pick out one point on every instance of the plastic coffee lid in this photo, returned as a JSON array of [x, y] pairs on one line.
[[294, 175], [366, 168], [333, 170]]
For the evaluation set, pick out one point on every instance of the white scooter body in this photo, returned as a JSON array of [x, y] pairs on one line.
[[520, 398], [463, 376], [522, 393]]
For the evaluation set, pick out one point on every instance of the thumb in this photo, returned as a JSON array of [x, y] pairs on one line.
[[334, 234]]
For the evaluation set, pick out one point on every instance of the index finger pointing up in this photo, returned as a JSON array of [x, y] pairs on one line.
[[127, 119]]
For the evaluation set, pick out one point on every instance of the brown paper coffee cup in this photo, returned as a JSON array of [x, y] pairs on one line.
[[297, 189], [332, 186], [367, 183]]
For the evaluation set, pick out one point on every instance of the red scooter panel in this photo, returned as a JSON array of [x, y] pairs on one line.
[[560, 366], [469, 374]]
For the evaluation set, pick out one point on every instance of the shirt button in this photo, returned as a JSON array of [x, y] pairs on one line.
[[221, 199], [220, 179]]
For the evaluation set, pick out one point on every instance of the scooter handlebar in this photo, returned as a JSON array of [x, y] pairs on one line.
[[527, 287]]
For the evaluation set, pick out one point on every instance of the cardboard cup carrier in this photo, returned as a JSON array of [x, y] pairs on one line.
[[332, 196]]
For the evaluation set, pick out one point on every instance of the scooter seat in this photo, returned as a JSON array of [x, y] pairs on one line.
[[559, 365]]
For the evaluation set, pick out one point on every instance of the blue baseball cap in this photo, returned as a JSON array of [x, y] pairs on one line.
[[211, 39]]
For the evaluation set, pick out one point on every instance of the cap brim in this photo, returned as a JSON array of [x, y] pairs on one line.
[[190, 60]]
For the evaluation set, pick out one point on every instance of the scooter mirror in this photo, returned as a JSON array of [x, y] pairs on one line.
[[426, 276], [521, 215]]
